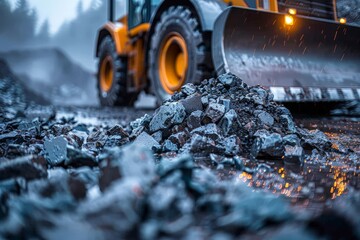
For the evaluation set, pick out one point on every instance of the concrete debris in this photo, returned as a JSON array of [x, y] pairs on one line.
[[195, 162], [218, 108], [167, 116]]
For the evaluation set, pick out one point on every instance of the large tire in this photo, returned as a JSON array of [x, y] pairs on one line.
[[112, 73], [178, 25]]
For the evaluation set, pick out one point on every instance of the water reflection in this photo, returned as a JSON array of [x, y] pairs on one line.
[[306, 185]]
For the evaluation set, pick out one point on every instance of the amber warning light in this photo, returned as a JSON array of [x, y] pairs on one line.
[[292, 11], [289, 20]]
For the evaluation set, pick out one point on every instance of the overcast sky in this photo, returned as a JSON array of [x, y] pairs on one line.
[[57, 11]]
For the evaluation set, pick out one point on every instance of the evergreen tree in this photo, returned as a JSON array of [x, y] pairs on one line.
[[6, 17], [25, 20], [44, 33], [80, 8]]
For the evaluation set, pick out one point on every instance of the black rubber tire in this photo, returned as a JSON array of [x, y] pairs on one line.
[[117, 95], [179, 19]]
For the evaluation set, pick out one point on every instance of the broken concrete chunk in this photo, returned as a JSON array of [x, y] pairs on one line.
[[117, 131], [229, 123], [267, 144], [288, 122], [188, 89], [146, 141], [169, 146], [205, 145], [210, 130], [28, 167], [232, 145], [228, 80], [265, 117], [141, 122], [157, 136], [77, 158], [215, 111], [291, 140], [194, 120], [167, 116], [55, 150], [192, 103], [179, 138], [294, 154]]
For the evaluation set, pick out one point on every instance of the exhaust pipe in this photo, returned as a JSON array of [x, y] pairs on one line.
[[111, 10]]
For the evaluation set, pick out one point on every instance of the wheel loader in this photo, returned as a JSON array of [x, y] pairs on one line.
[[299, 50]]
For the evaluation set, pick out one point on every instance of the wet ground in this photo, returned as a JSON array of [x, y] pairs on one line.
[[312, 186], [219, 160]]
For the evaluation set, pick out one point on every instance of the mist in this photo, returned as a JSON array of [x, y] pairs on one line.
[[76, 38]]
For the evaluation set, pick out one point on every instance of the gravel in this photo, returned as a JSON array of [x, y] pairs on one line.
[[182, 172]]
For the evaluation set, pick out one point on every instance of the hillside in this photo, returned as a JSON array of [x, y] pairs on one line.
[[51, 74]]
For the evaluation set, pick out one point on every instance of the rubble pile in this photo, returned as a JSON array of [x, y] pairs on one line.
[[226, 117], [171, 198], [14, 94], [12, 98], [63, 179]]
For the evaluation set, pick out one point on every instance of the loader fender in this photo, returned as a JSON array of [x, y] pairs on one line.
[[206, 10], [117, 31]]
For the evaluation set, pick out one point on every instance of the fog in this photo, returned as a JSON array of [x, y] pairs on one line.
[[76, 38], [48, 57]]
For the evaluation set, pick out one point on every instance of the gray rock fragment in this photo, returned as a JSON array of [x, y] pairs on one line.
[[56, 150], [137, 162], [194, 120], [265, 118], [232, 145], [77, 158], [205, 145], [143, 121], [315, 139], [267, 144], [215, 111], [210, 130], [117, 131], [28, 167], [291, 140], [179, 138], [157, 136], [192, 103], [188, 89], [228, 80], [294, 154], [146, 141], [169, 146], [205, 100], [288, 122], [229, 123], [167, 116]]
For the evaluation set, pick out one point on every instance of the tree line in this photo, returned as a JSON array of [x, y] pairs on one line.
[[18, 30]]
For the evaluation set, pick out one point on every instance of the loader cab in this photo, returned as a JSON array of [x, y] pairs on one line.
[[140, 11]]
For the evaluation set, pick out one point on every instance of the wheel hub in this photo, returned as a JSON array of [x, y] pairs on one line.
[[173, 63], [106, 74]]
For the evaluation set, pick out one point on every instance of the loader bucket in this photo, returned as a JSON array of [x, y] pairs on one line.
[[310, 60]]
